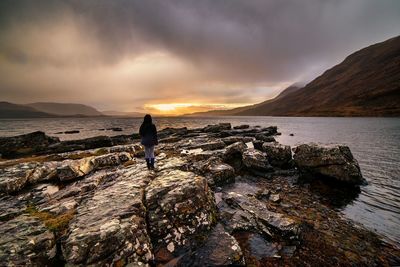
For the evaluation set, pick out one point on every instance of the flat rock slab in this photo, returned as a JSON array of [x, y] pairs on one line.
[[275, 222], [25, 241], [247, 212], [110, 228]]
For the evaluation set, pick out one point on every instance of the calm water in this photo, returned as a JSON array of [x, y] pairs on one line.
[[375, 142]]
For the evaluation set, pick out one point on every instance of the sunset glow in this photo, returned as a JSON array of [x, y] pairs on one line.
[[187, 108]]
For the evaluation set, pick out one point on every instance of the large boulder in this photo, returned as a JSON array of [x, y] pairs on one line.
[[26, 144], [278, 155], [110, 227], [334, 162], [180, 207]]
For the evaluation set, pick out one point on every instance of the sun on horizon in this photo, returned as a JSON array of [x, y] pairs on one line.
[[176, 109]]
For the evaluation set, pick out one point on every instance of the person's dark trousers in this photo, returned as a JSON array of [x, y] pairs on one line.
[[148, 164], [152, 163]]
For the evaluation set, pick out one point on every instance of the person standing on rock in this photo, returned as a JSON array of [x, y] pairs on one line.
[[148, 134]]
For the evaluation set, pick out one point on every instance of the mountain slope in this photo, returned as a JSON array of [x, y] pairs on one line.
[[366, 83], [122, 113], [236, 111], [64, 109], [10, 110]]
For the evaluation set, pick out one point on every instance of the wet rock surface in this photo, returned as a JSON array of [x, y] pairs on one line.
[[219, 196], [220, 249]]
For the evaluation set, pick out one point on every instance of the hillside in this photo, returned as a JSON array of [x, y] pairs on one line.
[[236, 111], [10, 110], [65, 109], [122, 114], [366, 83]]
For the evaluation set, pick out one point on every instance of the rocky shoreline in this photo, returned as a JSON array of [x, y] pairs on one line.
[[219, 196]]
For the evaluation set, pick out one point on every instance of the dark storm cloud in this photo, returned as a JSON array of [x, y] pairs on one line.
[[225, 46]]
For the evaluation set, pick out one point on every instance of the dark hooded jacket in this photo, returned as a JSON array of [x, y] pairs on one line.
[[148, 132]]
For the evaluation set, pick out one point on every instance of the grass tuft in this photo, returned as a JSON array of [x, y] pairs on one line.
[[55, 223]]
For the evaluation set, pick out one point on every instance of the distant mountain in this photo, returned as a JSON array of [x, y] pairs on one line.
[[366, 83], [122, 114], [236, 111], [10, 110], [65, 109]]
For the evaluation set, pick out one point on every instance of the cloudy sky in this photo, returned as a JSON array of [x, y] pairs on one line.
[[178, 56]]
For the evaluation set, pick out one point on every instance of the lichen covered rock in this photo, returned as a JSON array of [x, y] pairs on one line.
[[180, 206]]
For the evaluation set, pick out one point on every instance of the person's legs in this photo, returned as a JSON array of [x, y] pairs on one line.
[[147, 154], [151, 155]]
